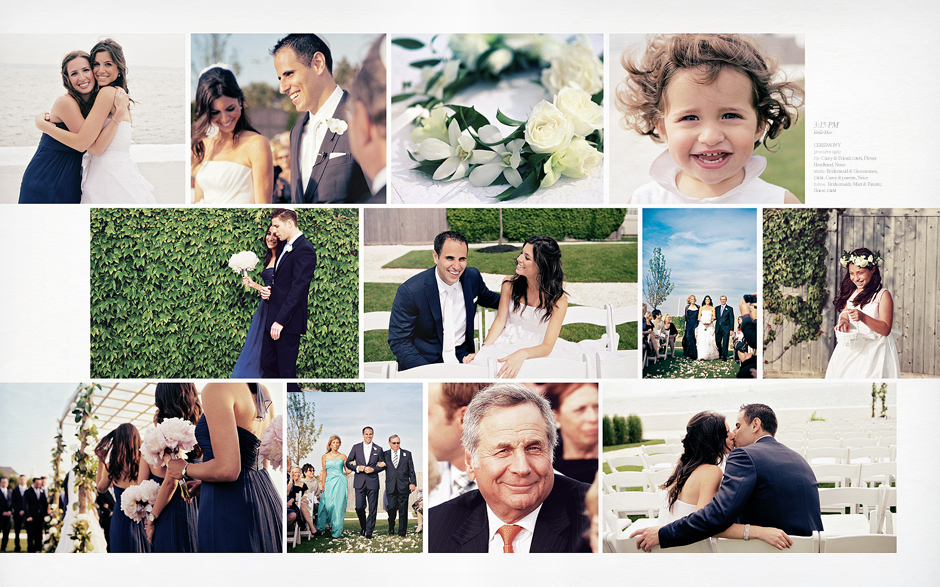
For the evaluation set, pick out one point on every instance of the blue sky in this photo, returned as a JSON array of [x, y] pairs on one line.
[[389, 408], [257, 64], [711, 251]]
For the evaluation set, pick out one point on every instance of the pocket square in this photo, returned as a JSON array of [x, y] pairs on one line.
[[335, 155]]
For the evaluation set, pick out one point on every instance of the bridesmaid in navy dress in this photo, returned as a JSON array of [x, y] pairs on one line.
[[239, 508], [119, 464], [172, 527], [689, 350], [54, 174], [249, 361]]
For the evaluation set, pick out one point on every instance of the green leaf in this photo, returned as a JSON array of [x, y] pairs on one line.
[[401, 97], [508, 121], [528, 187], [425, 62], [406, 43]]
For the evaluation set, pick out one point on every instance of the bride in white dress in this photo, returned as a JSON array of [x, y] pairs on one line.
[[232, 163], [110, 176], [532, 307], [865, 339], [705, 331], [98, 541]]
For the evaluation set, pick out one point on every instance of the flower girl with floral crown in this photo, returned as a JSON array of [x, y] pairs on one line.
[[865, 340]]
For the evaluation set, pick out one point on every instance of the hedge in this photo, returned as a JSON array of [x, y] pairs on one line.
[[482, 224], [164, 303]]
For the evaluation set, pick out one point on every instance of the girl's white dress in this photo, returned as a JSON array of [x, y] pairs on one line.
[[225, 183], [862, 353], [113, 177], [662, 191], [525, 329], [98, 541], [705, 337]]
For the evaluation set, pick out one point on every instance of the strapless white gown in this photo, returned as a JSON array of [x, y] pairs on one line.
[[862, 353], [705, 337], [113, 177], [98, 541], [225, 183], [525, 329], [680, 509]]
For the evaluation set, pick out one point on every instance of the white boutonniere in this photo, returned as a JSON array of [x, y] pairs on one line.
[[288, 248], [336, 125]]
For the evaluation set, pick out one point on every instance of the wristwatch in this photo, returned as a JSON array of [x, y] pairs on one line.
[[151, 518], [184, 469]]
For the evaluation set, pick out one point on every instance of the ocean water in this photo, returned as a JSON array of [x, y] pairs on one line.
[[160, 115]]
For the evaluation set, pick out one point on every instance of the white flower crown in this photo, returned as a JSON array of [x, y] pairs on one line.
[[561, 137], [873, 260], [213, 66]]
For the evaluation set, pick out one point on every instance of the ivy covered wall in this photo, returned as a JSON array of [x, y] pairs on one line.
[[164, 303]]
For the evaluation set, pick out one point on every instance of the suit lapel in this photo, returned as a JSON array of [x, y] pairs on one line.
[[469, 307], [550, 529], [297, 184], [472, 535], [326, 147], [434, 304]]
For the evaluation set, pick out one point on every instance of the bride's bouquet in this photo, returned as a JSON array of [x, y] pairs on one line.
[[168, 441], [243, 262], [138, 500], [272, 443]]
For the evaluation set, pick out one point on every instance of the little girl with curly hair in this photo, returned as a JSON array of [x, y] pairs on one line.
[[712, 98]]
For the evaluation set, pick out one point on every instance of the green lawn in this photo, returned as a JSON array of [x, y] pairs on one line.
[[786, 166], [378, 297], [679, 367], [587, 263], [350, 541]]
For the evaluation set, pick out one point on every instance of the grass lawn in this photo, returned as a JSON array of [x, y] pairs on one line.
[[787, 166], [679, 367], [378, 297], [350, 541], [589, 263]]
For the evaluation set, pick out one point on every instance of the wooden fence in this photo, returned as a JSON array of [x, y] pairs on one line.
[[908, 241], [403, 226]]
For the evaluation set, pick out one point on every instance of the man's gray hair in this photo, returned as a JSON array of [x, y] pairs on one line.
[[504, 395]]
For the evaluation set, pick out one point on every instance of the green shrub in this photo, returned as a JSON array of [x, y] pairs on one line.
[[634, 429], [164, 303], [482, 224], [607, 430], [620, 430]]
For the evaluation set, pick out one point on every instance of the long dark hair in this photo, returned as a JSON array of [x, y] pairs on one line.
[[268, 253], [178, 400], [85, 103], [704, 444], [213, 84], [117, 56], [547, 257], [710, 302], [847, 287], [123, 444]]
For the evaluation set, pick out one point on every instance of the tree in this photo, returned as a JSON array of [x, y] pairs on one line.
[[209, 49], [344, 72], [302, 431], [656, 283]]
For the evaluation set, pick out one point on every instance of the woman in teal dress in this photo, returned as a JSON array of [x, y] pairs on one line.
[[335, 490]]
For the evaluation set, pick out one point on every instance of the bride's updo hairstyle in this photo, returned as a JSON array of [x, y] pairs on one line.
[[123, 444], [329, 443], [178, 400], [547, 257], [117, 56], [213, 84], [847, 287], [85, 103], [704, 444]]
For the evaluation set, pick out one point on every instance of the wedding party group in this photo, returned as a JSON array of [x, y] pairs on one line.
[[84, 151], [195, 481], [336, 149]]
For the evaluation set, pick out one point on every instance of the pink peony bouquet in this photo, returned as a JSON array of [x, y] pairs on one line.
[[272, 442], [169, 440], [138, 500]]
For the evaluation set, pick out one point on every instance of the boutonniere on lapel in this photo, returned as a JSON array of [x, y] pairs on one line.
[[288, 248], [336, 125]]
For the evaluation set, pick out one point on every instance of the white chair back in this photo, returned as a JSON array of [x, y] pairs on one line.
[[801, 544], [451, 371], [859, 543]]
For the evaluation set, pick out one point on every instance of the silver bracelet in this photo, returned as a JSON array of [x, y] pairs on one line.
[[747, 531]]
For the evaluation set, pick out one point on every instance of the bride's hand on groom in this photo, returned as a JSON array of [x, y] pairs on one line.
[[468, 358], [647, 538], [772, 536]]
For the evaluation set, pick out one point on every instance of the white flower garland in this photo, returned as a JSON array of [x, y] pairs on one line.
[[861, 260], [563, 137]]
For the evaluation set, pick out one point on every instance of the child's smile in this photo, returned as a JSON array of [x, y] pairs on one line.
[[710, 130]]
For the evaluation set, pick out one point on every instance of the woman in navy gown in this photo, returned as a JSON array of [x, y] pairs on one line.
[[118, 464], [54, 174], [239, 508], [173, 522], [249, 361], [691, 323]]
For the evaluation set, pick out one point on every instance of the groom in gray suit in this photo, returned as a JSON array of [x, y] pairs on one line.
[[321, 163]]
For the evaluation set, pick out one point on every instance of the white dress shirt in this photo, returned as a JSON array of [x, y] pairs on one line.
[[457, 301], [379, 181], [312, 137], [449, 487], [523, 540], [290, 243]]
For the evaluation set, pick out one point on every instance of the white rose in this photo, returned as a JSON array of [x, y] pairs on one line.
[[575, 66], [579, 159], [498, 60], [576, 104], [861, 261], [527, 43], [548, 129], [468, 48]]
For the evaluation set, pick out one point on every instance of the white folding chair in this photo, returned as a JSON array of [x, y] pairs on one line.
[[822, 443], [888, 440], [657, 478], [625, 461], [859, 442], [857, 521], [632, 503], [870, 454], [376, 369], [547, 369], [596, 316], [842, 475], [863, 543], [801, 544], [451, 371], [660, 462], [621, 480], [826, 455], [876, 473], [628, 545], [655, 449], [623, 367]]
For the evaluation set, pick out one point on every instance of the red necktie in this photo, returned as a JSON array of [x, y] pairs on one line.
[[508, 534]]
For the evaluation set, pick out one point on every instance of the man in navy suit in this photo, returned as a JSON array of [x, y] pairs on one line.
[[724, 324], [287, 312], [400, 482], [416, 329], [520, 505], [36, 508], [765, 484], [321, 163], [19, 511], [6, 511], [365, 459]]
